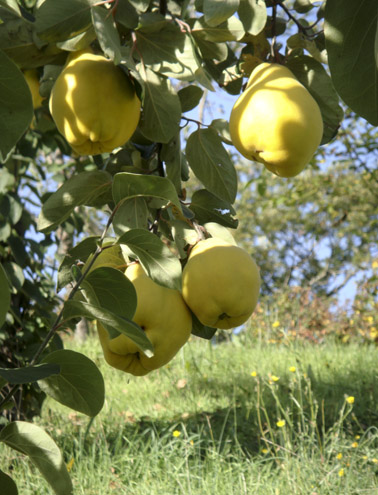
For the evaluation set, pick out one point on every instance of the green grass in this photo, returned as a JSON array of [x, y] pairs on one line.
[[228, 441]]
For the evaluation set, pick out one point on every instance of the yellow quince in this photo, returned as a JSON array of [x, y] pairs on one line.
[[276, 121], [162, 314], [94, 104], [31, 77], [220, 283]]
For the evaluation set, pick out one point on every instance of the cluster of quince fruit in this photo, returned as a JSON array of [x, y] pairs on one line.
[[220, 286], [275, 121]]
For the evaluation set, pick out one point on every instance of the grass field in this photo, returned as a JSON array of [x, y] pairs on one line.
[[240, 417]]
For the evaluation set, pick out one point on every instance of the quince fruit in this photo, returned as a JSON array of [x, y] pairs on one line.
[[276, 121], [162, 314], [220, 283], [31, 77], [94, 104]]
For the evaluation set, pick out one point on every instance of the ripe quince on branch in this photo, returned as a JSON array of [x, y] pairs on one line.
[[162, 314], [276, 121], [94, 104], [221, 283]]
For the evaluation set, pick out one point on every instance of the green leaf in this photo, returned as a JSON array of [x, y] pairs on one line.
[[219, 231], [209, 208], [253, 15], [75, 309], [217, 12], [161, 108], [8, 486], [314, 77], [11, 6], [113, 291], [79, 385], [211, 163], [33, 441], [159, 40], [201, 330], [15, 276], [4, 295], [156, 258], [86, 188], [132, 214], [80, 252], [189, 96], [230, 30], [107, 33], [16, 108], [59, 21], [28, 374], [303, 6], [350, 32], [127, 185]]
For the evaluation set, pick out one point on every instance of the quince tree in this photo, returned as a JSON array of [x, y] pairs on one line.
[[104, 167]]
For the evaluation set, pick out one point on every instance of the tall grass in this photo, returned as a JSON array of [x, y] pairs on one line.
[[241, 417]]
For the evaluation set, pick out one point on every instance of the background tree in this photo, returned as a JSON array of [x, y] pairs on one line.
[[137, 193]]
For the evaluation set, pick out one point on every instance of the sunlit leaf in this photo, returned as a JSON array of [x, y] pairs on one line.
[[155, 257], [75, 309], [86, 188], [350, 33], [127, 185], [33, 441]]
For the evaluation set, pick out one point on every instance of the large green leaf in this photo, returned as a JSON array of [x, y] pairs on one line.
[[211, 163], [217, 12], [127, 185], [16, 108], [78, 309], [4, 295], [209, 208], [155, 257], [29, 374], [252, 14], [113, 291], [107, 33], [59, 21], [189, 96], [79, 385], [161, 108], [350, 33], [314, 77], [86, 188], [132, 214], [8, 486], [230, 30], [33, 441], [159, 39]]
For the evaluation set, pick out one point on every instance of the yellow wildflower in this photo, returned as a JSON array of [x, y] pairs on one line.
[[176, 433], [355, 445], [350, 399], [281, 423], [274, 378], [339, 456], [254, 373], [276, 324], [341, 472], [293, 369]]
